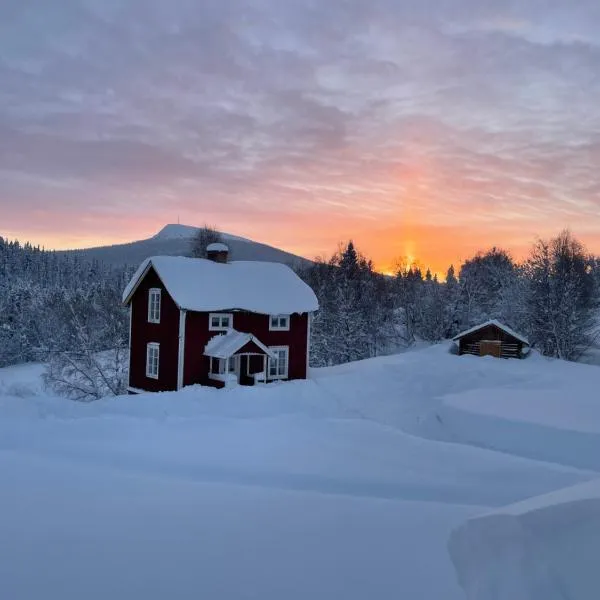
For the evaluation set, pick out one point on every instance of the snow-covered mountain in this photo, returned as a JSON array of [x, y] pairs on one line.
[[177, 231], [175, 240]]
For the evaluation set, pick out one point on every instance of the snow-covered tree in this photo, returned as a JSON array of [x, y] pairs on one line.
[[482, 280], [356, 318], [93, 364], [562, 299], [206, 235]]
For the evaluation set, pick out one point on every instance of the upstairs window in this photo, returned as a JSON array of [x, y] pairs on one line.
[[220, 321], [279, 323], [154, 306], [152, 359], [278, 366]]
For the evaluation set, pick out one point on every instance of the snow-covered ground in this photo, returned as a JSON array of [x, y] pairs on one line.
[[348, 485], [545, 548]]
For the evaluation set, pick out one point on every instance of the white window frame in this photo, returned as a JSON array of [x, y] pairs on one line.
[[151, 348], [221, 317], [154, 305], [279, 374], [279, 322]]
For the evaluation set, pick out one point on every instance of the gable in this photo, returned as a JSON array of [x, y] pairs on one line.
[[151, 279], [250, 348], [494, 330]]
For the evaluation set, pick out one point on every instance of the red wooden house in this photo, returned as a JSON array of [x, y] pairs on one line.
[[212, 322]]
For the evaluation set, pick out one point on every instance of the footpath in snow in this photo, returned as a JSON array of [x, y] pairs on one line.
[[348, 485]]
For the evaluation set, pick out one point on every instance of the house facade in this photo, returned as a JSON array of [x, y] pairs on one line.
[[214, 322]]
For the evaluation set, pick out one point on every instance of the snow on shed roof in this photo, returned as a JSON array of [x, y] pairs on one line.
[[202, 285], [217, 247], [504, 328], [226, 345]]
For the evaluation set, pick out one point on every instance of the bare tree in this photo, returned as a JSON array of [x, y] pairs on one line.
[[94, 365], [206, 235]]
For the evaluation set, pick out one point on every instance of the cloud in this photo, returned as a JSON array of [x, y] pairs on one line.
[[471, 115]]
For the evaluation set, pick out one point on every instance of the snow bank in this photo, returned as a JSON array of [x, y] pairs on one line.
[[546, 548], [344, 486], [552, 414]]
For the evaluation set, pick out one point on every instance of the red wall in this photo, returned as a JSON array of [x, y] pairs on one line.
[[166, 333], [197, 336]]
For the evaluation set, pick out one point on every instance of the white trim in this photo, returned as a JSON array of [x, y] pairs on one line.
[[308, 331], [154, 293], [127, 299], [130, 325], [279, 327], [152, 346], [277, 349], [220, 327], [181, 350]]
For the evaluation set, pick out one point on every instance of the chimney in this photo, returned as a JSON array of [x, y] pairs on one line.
[[217, 252]]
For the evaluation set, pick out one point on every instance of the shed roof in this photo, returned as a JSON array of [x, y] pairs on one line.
[[494, 323], [227, 344], [203, 285]]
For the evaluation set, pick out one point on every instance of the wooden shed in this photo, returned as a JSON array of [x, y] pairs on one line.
[[491, 338]]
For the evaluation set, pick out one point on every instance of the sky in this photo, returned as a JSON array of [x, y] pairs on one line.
[[427, 129]]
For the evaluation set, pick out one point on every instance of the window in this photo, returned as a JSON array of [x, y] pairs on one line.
[[279, 323], [154, 306], [220, 321], [278, 366], [152, 357]]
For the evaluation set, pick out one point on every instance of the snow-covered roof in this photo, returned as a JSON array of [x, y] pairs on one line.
[[227, 344], [203, 285], [497, 324], [217, 247]]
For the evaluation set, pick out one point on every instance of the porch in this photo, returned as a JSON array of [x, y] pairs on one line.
[[237, 358]]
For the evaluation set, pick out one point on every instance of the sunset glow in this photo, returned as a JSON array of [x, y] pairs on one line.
[[422, 138]]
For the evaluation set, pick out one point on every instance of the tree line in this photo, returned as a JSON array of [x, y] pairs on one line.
[[553, 297], [66, 311]]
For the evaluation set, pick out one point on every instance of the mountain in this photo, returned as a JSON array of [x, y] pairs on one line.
[[175, 240]]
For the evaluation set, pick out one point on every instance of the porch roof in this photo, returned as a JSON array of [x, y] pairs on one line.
[[228, 344]]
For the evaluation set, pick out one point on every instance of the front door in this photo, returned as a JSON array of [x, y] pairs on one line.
[[245, 379], [491, 348]]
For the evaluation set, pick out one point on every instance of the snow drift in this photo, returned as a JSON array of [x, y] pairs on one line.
[[348, 485], [545, 548]]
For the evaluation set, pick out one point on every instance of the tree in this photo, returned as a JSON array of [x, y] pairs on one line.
[[94, 363], [482, 279], [409, 295], [562, 297], [451, 302], [206, 235], [356, 318]]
